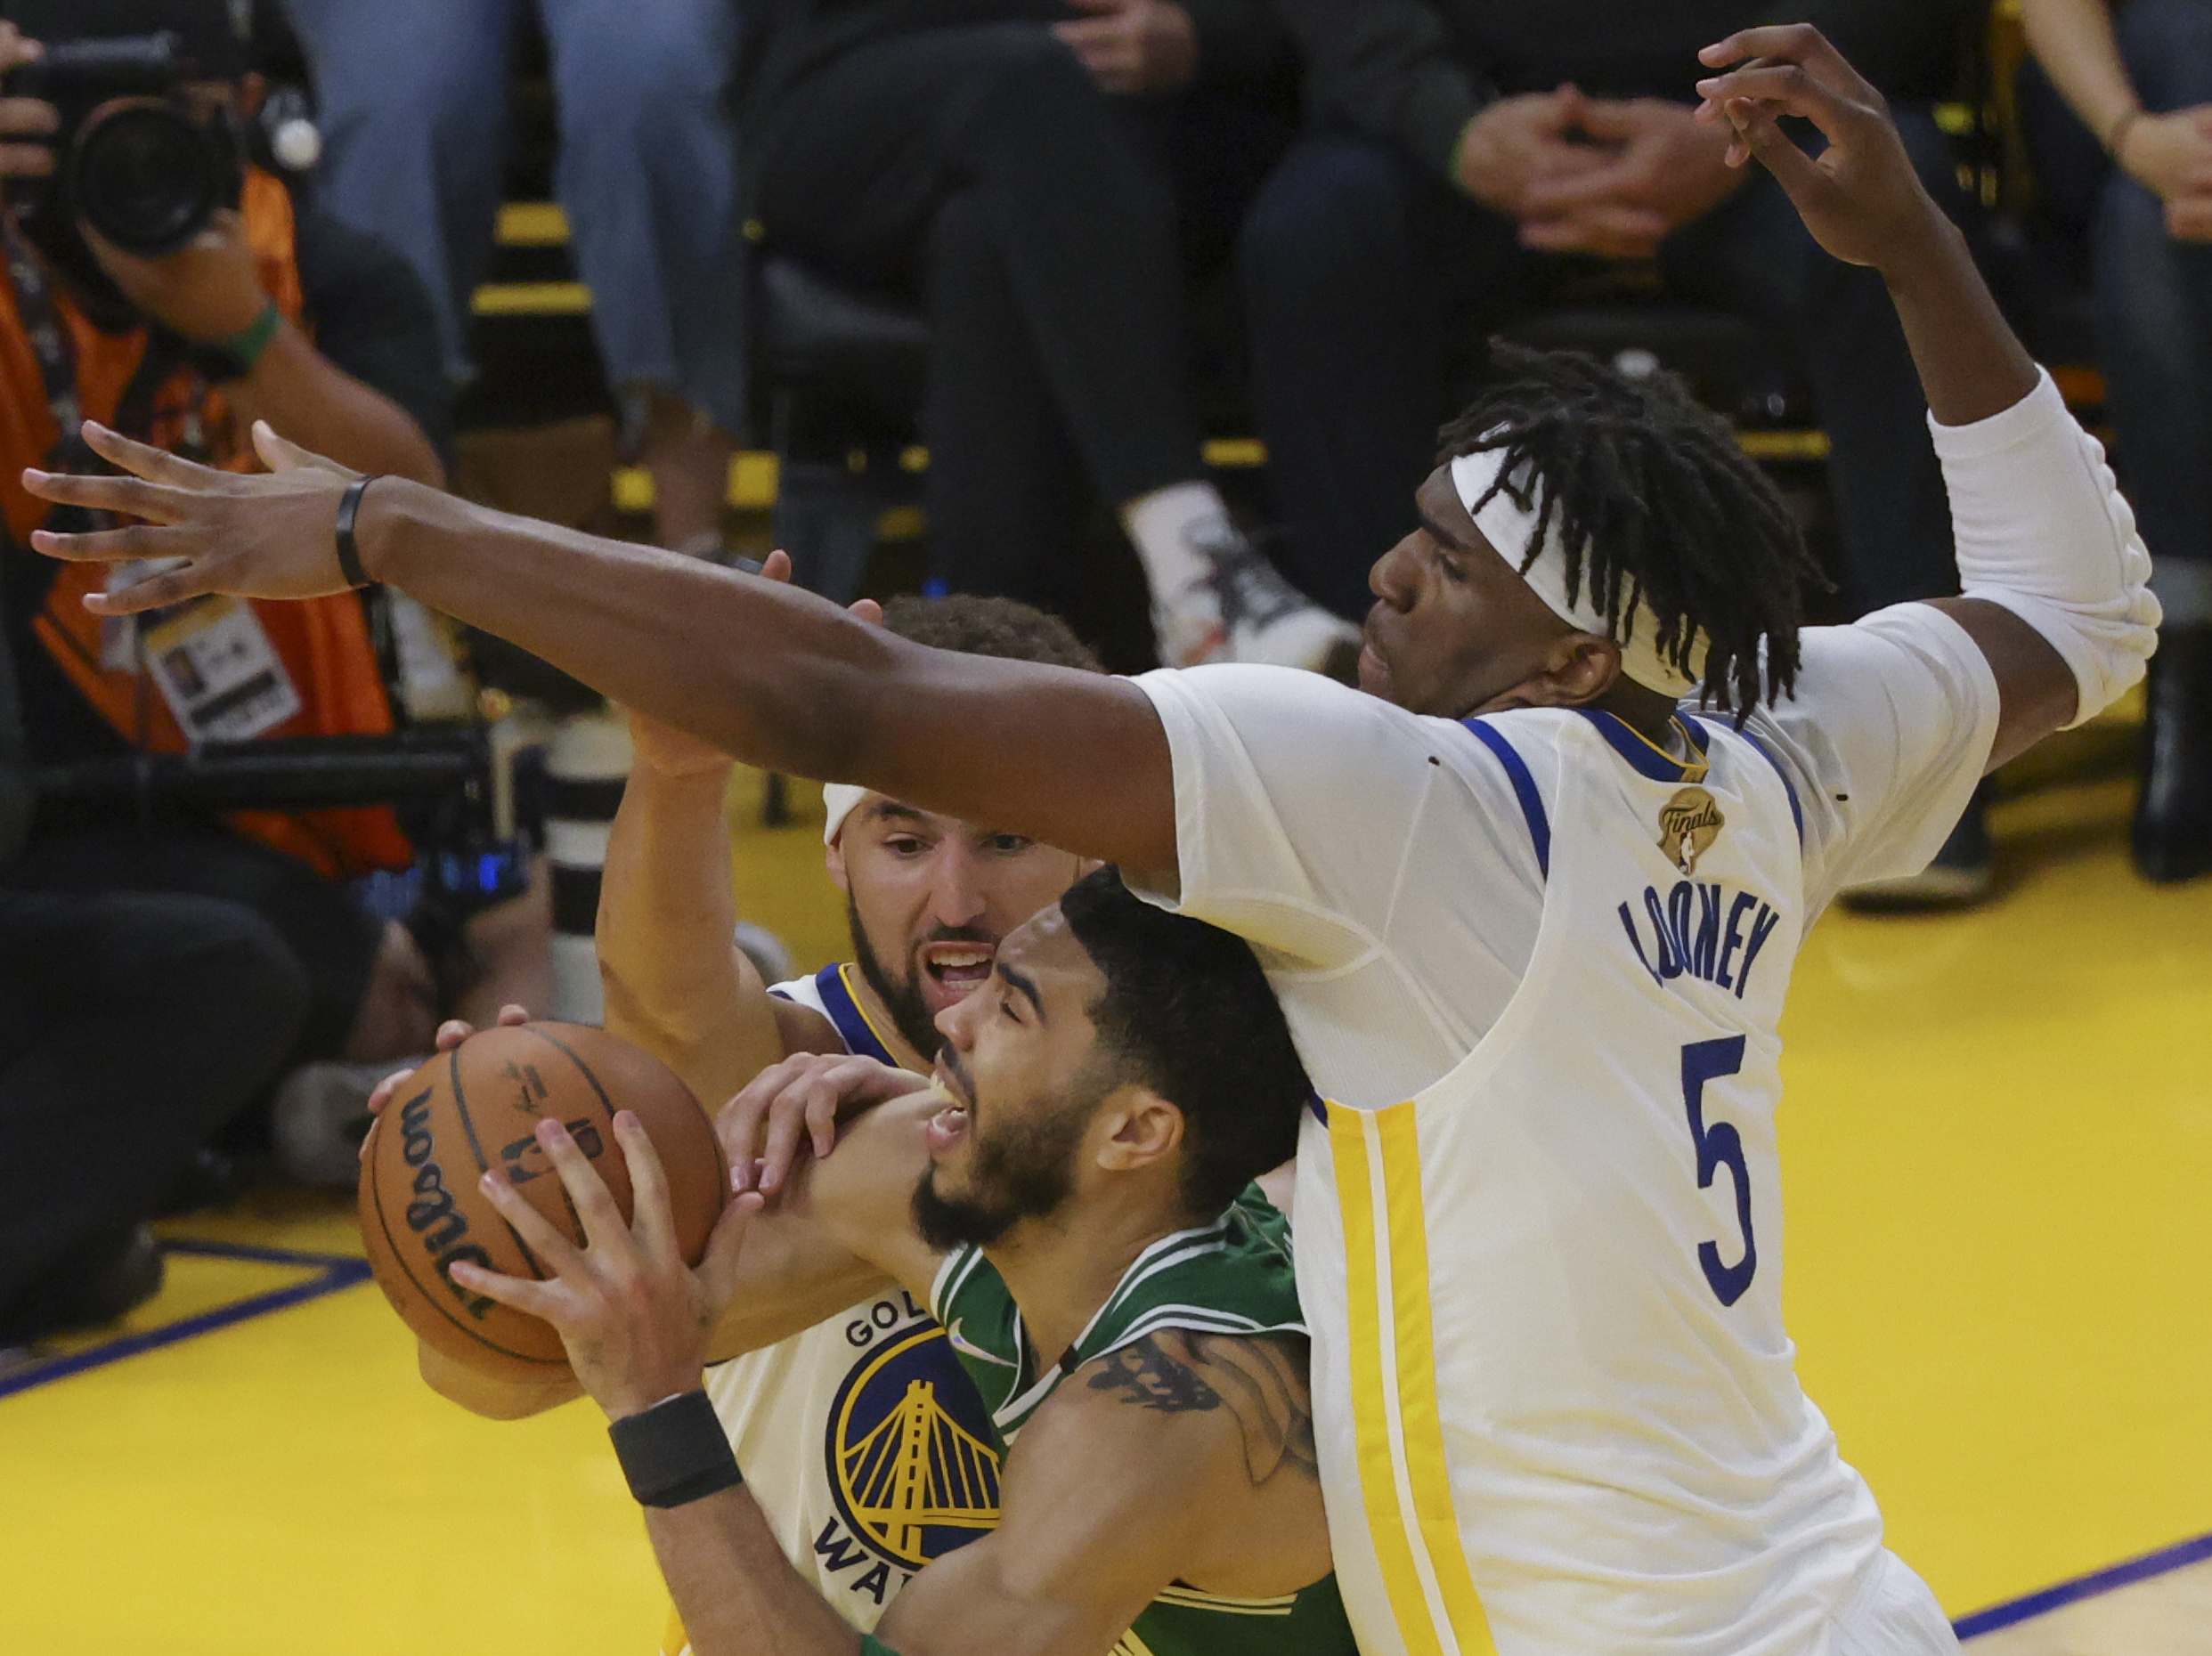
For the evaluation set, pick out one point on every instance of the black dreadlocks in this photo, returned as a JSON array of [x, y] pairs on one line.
[[1653, 501]]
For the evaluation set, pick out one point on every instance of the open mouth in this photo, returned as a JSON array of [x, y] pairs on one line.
[[955, 969], [949, 1124]]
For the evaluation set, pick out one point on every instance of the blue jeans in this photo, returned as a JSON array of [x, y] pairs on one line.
[[414, 115], [1362, 274], [2154, 320]]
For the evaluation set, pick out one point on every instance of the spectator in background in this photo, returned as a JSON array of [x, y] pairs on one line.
[[269, 313], [961, 156], [413, 108], [132, 1026], [2141, 82], [1465, 154]]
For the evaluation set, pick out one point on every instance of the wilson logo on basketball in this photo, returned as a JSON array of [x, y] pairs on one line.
[[432, 1215]]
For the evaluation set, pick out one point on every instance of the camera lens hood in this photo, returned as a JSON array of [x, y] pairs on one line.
[[147, 176]]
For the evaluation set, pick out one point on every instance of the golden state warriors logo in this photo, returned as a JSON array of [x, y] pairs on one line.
[[1688, 824], [913, 1461]]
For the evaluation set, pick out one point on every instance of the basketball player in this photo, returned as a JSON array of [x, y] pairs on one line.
[[928, 897], [1073, 1199], [1531, 904]]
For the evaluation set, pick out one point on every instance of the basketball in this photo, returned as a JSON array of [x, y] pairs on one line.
[[477, 1106]]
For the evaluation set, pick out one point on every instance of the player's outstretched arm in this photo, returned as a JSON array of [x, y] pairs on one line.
[[2054, 575], [778, 678]]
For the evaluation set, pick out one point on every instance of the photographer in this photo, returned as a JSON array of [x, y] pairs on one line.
[[132, 1026], [254, 309]]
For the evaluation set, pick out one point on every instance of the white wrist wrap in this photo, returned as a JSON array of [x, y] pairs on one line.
[[2042, 530]]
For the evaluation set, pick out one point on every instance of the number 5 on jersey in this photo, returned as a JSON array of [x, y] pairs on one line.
[[1720, 1146]]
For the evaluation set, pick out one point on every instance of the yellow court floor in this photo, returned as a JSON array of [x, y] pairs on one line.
[[1998, 1145]]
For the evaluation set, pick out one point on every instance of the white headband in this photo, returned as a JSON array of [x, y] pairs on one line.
[[839, 800], [1511, 529]]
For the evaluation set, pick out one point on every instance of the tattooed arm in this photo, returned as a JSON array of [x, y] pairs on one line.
[[1181, 1458]]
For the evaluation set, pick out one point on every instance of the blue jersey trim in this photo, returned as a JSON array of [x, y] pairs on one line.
[[1797, 811], [1643, 757], [845, 1013], [1524, 789]]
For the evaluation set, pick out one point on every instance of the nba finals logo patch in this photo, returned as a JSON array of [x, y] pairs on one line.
[[913, 1458], [1688, 824]]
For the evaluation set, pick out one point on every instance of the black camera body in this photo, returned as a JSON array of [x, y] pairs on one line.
[[133, 159]]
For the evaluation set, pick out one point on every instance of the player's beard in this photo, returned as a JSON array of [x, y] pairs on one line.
[[908, 1007], [1022, 1172]]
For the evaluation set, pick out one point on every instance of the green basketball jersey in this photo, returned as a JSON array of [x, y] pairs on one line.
[[1232, 1277]]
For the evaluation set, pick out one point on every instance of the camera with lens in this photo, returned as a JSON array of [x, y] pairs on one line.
[[133, 158]]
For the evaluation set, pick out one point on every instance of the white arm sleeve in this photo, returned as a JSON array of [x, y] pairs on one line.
[[2042, 530]]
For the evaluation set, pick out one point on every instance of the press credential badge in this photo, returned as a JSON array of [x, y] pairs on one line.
[[214, 662]]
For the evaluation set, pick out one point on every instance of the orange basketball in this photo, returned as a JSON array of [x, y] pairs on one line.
[[477, 1106]]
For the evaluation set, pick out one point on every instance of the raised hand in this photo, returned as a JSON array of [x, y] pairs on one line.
[[801, 1099], [636, 1321], [271, 535], [1859, 196]]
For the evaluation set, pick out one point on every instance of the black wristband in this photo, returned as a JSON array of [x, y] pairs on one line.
[[348, 549], [675, 1452]]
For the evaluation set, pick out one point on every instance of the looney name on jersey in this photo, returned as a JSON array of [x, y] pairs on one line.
[[1700, 930]]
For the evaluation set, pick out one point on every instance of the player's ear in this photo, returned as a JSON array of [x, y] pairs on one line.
[[1140, 1129], [1578, 668], [833, 859]]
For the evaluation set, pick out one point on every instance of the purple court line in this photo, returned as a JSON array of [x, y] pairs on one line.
[[2166, 1560], [333, 1271]]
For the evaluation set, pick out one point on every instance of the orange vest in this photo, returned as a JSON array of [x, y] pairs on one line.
[[323, 643]]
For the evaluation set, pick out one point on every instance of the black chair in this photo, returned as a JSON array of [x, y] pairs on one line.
[[838, 378]]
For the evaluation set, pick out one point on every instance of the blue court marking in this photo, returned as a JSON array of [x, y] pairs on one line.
[[2164, 1562], [333, 1271]]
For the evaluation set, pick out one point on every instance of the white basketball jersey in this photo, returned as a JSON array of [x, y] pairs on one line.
[[1557, 1409], [820, 1421]]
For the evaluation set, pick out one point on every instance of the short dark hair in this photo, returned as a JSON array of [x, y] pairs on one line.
[[1187, 1011], [1003, 628], [1653, 499]]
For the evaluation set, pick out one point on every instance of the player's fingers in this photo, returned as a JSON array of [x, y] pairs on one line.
[[602, 1221], [1757, 131], [787, 1120], [281, 454], [649, 1219], [822, 1122], [513, 1013], [143, 459], [535, 1231], [868, 609], [1799, 43], [451, 1033], [777, 568], [535, 1299], [129, 495], [157, 592], [26, 160], [717, 1267], [381, 1093]]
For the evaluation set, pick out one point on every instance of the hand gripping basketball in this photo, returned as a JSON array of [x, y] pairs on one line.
[[636, 1321]]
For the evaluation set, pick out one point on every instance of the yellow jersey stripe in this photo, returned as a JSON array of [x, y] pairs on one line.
[[852, 987], [1379, 1478], [1417, 1417]]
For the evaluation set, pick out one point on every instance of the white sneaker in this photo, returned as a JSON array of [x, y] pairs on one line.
[[320, 1116], [1240, 609]]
